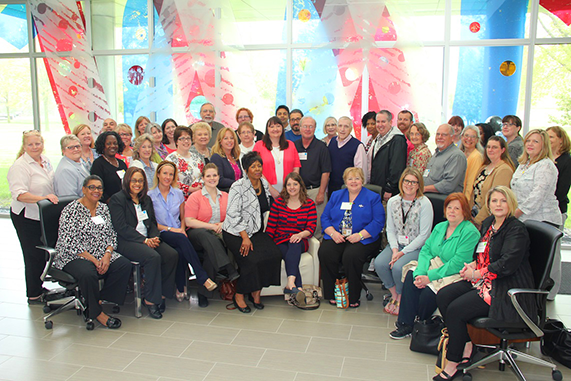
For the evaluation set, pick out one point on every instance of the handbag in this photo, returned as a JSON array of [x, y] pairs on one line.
[[426, 335], [556, 342], [342, 293], [227, 289], [441, 361], [308, 299]]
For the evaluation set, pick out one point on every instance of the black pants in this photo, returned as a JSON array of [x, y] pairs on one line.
[[186, 255], [353, 256], [159, 265], [29, 233], [213, 253], [415, 302], [114, 287], [459, 303]]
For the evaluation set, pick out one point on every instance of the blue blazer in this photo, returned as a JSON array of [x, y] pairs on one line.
[[226, 172], [368, 213]]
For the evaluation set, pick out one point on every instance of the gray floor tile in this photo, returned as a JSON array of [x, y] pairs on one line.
[[384, 370], [90, 374], [32, 369], [151, 344], [285, 342], [23, 327], [352, 317], [87, 355], [224, 353], [31, 348], [349, 348], [173, 367], [326, 365], [204, 333], [247, 321], [224, 372], [21, 311], [333, 331]]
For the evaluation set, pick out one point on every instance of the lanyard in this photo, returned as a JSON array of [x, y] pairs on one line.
[[404, 216]]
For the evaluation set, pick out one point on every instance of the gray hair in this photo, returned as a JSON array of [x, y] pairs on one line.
[[346, 118], [67, 139], [308, 117], [478, 144], [150, 126], [387, 113]]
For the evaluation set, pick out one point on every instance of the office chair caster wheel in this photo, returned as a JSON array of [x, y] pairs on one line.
[[49, 324], [90, 326], [47, 309], [556, 375], [467, 377], [369, 296], [116, 309]]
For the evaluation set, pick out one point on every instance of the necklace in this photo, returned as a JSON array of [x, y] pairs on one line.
[[109, 161]]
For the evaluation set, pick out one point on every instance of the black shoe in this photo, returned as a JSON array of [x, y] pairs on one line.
[[40, 300], [446, 377], [401, 332], [162, 306], [258, 306], [113, 323], [202, 301], [154, 311], [243, 310]]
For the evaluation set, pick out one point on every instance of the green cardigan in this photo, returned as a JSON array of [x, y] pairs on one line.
[[454, 252]]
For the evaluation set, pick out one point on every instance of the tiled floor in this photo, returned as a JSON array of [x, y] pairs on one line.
[[190, 343]]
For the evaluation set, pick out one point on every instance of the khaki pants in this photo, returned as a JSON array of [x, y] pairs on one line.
[[312, 194]]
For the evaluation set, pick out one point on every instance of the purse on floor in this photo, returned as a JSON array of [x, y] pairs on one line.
[[342, 293], [227, 289], [556, 342], [426, 335], [309, 298]]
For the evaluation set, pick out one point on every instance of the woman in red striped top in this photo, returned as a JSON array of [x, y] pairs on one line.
[[292, 222]]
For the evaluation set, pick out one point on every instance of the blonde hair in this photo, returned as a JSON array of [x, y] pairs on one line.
[[139, 142], [327, 120], [139, 120], [124, 127], [201, 125], [217, 148], [25, 137], [353, 171], [80, 127], [416, 173], [507, 193], [545, 147], [174, 182]]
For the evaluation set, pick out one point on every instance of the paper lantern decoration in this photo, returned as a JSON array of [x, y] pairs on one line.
[[507, 68], [475, 27], [135, 75]]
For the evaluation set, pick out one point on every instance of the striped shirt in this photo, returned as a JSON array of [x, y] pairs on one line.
[[284, 222]]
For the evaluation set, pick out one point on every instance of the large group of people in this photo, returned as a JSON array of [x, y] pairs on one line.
[[180, 200]]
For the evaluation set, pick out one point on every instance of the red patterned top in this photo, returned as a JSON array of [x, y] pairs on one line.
[[285, 222], [484, 285], [419, 157], [189, 171]]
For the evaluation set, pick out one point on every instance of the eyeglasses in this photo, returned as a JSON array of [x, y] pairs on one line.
[[185, 138], [124, 134], [508, 124], [409, 182], [294, 119], [135, 181], [471, 137], [73, 147], [95, 188]]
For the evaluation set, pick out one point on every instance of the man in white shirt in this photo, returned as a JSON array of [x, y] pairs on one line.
[[207, 114]]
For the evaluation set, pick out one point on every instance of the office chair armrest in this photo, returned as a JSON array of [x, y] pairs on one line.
[[51, 256], [513, 296]]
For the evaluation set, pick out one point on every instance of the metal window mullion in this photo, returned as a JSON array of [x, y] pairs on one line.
[[33, 69], [446, 60], [289, 52], [530, 59]]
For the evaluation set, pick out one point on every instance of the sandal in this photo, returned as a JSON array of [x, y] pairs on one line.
[[180, 296], [390, 307], [396, 308], [210, 285], [357, 304], [333, 302]]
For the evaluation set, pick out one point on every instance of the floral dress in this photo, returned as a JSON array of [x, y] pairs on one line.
[[419, 157], [189, 171]]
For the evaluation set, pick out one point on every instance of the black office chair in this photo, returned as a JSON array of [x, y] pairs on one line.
[[544, 238], [437, 201], [49, 224]]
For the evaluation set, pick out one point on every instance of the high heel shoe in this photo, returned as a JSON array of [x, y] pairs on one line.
[[180, 296], [244, 310], [258, 306], [210, 285]]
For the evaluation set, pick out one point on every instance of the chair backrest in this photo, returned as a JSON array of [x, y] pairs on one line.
[[49, 218], [437, 201], [543, 244], [375, 188]]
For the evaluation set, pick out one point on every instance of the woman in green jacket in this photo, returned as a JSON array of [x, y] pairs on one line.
[[453, 242]]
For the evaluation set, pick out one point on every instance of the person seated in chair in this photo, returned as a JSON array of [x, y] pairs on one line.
[[444, 253], [292, 222], [352, 222], [138, 238], [501, 262], [86, 250]]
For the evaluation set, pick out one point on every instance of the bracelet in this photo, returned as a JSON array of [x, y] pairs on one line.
[[108, 251], [169, 229], [361, 235]]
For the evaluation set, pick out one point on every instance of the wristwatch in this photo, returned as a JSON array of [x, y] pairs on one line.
[[169, 229], [361, 235]]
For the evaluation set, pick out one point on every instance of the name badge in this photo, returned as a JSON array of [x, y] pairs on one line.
[[403, 240], [121, 173], [98, 220], [481, 247], [142, 215], [345, 206], [426, 172], [303, 156]]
